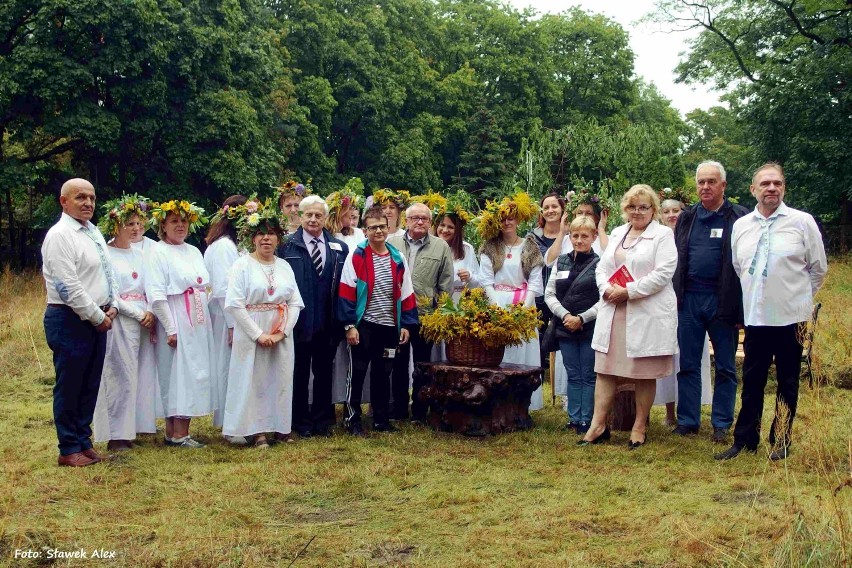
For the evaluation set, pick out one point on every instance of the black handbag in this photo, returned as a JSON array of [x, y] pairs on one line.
[[549, 343]]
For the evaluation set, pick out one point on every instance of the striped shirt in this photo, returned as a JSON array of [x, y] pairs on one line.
[[380, 306]]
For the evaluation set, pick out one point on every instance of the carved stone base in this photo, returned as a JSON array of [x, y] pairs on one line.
[[478, 401]]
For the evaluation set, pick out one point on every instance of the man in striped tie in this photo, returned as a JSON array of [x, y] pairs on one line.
[[780, 259], [316, 258]]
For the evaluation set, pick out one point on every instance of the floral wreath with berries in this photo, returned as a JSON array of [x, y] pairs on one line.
[[118, 211], [193, 214]]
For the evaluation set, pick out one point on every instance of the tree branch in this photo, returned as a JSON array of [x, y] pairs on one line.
[[9, 41], [791, 15], [54, 151]]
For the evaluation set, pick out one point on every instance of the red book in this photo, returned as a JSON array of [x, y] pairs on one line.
[[621, 276]]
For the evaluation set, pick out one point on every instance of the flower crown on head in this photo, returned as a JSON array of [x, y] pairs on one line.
[[401, 198], [582, 196], [292, 187], [255, 217], [118, 211], [519, 206], [456, 205], [351, 195], [678, 194], [193, 214]]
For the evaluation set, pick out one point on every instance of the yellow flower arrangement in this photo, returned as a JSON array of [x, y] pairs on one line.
[[193, 214], [474, 316], [519, 206], [401, 198]]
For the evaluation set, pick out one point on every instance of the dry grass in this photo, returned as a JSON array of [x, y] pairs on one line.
[[418, 498]]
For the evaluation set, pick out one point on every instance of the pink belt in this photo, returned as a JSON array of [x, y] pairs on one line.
[[280, 319], [139, 297], [197, 305], [520, 293]]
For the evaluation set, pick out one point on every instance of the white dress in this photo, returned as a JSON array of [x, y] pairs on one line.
[[115, 410], [260, 382], [667, 386], [149, 403], [356, 238], [501, 288], [470, 264], [342, 358], [218, 258], [176, 282]]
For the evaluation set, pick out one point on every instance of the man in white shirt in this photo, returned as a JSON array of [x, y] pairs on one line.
[[81, 304], [780, 259]]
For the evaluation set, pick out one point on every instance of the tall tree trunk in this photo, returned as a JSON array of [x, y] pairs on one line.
[[10, 212]]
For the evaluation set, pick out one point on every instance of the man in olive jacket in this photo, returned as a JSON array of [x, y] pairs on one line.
[[709, 301], [430, 262]]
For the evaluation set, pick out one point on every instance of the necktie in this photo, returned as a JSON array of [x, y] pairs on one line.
[[762, 250], [316, 257], [105, 264]]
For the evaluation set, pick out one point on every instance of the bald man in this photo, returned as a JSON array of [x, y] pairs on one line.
[[81, 305]]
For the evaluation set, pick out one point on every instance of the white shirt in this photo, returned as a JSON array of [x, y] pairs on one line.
[[308, 238], [414, 246], [795, 266], [73, 271]]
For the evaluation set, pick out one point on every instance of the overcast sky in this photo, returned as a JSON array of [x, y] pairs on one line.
[[656, 52]]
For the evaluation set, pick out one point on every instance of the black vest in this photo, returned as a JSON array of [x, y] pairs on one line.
[[584, 292]]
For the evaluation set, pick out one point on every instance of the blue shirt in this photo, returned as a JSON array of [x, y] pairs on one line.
[[705, 250]]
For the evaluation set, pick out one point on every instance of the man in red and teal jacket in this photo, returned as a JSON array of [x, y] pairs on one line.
[[376, 304]]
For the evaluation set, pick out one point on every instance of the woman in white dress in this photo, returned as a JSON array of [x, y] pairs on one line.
[[115, 412], [393, 204], [667, 387], [149, 404], [265, 303], [220, 255], [510, 270], [176, 285]]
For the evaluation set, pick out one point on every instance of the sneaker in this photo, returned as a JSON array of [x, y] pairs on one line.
[[385, 428], [732, 452], [187, 442], [779, 454], [236, 440], [685, 430], [571, 426], [720, 435], [356, 429], [583, 427]]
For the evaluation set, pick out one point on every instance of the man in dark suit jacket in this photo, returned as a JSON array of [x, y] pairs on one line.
[[316, 258]]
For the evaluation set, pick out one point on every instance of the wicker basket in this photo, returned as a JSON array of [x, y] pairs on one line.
[[470, 352]]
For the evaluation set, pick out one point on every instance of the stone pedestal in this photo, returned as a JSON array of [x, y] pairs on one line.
[[478, 401]]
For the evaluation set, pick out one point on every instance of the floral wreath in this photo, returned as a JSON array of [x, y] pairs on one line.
[[186, 210], [518, 206], [400, 198], [582, 196], [118, 211], [293, 188], [455, 205], [352, 195], [253, 217], [678, 194]]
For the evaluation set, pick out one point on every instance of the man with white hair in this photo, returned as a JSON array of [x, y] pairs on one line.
[[430, 261], [709, 301], [81, 304]]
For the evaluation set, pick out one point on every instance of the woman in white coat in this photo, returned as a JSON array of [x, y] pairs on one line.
[[149, 403], [636, 332], [115, 419], [265, 303], [176, 285], [220, 255]]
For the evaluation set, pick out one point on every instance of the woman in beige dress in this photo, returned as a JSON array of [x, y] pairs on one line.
[[636, 334]]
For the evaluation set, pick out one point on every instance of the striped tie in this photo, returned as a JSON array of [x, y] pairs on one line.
[[316, 257], [762, 249]]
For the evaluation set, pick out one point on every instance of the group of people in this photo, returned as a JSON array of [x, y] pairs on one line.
[[294, 308]]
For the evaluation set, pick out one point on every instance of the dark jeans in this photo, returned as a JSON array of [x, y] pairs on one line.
[[422, 352], [579, 360], [316, 355], [373, 340], [763, 344], [78, 358], [696, 318]]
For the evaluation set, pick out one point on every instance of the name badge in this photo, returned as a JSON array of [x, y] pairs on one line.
[[389, 353], [335, 246], [716, 233], [562, 274]]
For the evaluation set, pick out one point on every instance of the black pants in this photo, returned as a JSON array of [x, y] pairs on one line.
[[763, 344], [374, 339], [422, 352], [316, 355]]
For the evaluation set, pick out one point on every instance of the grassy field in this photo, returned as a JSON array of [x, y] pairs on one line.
[[418, 498]]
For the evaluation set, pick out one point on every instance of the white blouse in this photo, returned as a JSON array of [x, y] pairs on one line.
[[128, 269]]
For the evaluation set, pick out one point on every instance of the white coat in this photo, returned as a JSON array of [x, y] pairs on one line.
[[652, 305]]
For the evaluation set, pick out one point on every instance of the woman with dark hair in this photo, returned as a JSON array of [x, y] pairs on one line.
[[221, 253], [548, 232]]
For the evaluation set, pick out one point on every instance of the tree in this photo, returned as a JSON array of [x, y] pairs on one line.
[[483, 162]]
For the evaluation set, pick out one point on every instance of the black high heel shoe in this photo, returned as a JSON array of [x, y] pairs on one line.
[[631, 445], [605, 435]]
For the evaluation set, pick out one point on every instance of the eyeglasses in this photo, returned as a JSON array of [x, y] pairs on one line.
[[374, 228], [419, 219], [640, 209]]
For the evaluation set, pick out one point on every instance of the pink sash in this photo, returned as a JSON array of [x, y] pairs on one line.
[[197, 305], [520, 294]]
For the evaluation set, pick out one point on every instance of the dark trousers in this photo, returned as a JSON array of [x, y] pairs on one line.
[[763, 344], [696, 318], [78, 358], [422, 352], [370, 352], [316, 355]]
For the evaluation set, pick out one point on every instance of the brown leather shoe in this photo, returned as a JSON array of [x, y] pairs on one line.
[[92, 455], [78, 459]]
